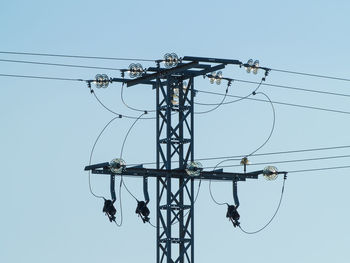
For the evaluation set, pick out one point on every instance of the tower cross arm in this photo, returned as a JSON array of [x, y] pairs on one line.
[[218, 175]]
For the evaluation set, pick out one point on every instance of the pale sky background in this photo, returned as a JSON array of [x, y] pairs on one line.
[[48, 128]]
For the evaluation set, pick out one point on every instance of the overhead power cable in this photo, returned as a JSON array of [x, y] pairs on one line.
[[58, 64], [293, 88], [309, 74], [264, 154], [38, 77], [319, 169], [284, 161], [74, 56], [274, 102]]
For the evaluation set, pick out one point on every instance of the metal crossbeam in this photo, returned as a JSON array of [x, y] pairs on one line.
[[175, 145]]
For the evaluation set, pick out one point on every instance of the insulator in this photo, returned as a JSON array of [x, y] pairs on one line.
[[256, 67], [218, 77], [194, 168], [270, 173], [117, 165], [250, 63], [212, 77], [167, 60], [175, 59], [101, 81]]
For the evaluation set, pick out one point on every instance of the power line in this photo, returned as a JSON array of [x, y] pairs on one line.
[[275, 102], [309, 74], [319, 169], [75, 56], [293, 88], [57, 64], [266, 154], [38, 77], [285, 161]]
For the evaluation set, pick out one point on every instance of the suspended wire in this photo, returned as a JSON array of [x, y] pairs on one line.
[[283, 87], [272, 218], [294, 88], [129, 107], [285, 161], [202, 91], [57, 64], [121, 154], [275, 102], [309, 74], [265, 142], [320, 169], [272, 128], [219, 104], [111, 111], [235, 157], [120, 205], [152, 60], [92, 152], [38, 77], [212, 197], [75, 56]]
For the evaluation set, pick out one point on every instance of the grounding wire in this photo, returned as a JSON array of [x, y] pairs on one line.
[[57, 64], [272, 218], [74, 56]]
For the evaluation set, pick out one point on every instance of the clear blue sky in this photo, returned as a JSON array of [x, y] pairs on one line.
[[48, 128]]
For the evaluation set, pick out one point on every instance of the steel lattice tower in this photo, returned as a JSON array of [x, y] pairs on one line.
[[175, 149]]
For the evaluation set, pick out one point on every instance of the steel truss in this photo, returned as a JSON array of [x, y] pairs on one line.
[[175, 144]]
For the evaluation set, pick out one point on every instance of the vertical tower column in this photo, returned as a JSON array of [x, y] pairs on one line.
[[174, 148]]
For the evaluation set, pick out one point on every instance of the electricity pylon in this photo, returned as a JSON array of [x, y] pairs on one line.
[[176, 170]]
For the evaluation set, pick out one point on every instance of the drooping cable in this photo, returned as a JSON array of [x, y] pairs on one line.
[[272, 218], [128, 106], [212, 196], [120, 205], [272, 128], [116, 113], [91, 154], [122, 149], [262, 145], [226, 95], [219, 104]]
